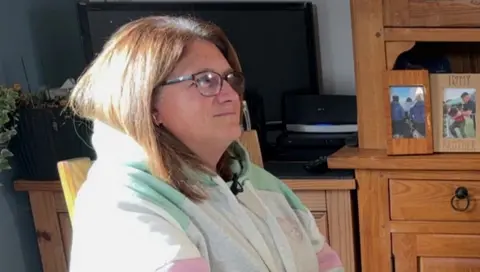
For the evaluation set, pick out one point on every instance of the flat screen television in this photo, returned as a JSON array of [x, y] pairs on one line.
[[275, 42]]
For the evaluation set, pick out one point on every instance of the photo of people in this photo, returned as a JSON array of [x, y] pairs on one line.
[[407, 111], [459, 109]]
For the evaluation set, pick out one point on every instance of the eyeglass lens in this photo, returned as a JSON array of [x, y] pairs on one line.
[[210, 83]]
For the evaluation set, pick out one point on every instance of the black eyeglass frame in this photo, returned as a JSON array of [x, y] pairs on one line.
[[192, 77]]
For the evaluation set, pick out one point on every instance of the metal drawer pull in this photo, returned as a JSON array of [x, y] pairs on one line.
[[461, 193]]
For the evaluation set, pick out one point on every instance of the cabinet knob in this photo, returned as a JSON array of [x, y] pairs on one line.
[[44, 235], [461, 193]]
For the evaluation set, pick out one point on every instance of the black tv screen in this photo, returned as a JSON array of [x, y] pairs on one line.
[[274, 41]]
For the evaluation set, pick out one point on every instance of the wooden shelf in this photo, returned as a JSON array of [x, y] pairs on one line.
[[374, 159], [37, 185], [432, 34], [320, 184]]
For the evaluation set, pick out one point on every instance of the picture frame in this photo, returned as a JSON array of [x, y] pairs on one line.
[[454, 112], [408, 112]]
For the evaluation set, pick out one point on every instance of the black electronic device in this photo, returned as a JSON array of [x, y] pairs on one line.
[[294, 146], [317, 166], [310, 113], [259, 31]]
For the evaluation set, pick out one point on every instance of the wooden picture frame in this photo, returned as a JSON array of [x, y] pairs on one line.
[[454, 108], [408, 112]]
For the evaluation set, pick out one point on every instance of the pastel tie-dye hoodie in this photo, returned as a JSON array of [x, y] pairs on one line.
[[127, 220]]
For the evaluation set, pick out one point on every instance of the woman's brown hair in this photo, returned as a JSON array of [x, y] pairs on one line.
[[119, 89]]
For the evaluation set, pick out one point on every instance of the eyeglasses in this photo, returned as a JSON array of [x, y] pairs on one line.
[[210, 83]]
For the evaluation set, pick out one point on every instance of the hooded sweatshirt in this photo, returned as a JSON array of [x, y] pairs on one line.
[[128, 220]]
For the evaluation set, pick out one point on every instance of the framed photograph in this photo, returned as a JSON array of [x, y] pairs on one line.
[[454, 112], [408, 108]]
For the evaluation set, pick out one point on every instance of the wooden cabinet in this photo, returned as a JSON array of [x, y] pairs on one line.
[[52, 223], [410, 218], [428, 13], [413, 213], [329, 201]]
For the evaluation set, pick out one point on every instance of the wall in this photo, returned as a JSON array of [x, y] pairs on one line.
[[39, 46], [18, 252], [336, 47], [39, 42], [18, 249]]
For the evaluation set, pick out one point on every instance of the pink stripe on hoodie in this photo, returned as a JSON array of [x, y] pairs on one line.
[[189, 265], [328, 259]]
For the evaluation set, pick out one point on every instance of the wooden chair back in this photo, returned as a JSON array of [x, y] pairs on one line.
[[72, 175], [249, 140], [74, 172]]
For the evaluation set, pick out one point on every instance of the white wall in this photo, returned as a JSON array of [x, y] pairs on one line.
[[336, 49], [335, 42]]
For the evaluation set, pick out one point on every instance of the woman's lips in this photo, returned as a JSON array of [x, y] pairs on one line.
[[225, 114]]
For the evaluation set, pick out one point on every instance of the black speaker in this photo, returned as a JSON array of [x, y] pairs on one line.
[[313, 109]]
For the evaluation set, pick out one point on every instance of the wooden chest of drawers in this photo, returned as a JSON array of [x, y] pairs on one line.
[[416, 213], [406, 218]]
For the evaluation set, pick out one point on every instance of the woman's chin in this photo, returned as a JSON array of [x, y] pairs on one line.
[[233, 133], [227, 133]]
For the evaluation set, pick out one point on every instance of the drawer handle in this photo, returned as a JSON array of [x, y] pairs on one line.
[[461, 193], [44, 235]]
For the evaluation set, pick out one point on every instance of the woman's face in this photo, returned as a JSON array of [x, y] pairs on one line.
[[195, 118]]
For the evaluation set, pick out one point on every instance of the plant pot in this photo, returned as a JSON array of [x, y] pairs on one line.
[[46, 136]]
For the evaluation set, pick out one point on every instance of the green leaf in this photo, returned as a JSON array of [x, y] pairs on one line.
[[8, 114], [4, 137], [4, 165], [6, 153]]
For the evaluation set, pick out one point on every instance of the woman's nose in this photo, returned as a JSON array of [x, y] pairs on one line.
[[227, 93]]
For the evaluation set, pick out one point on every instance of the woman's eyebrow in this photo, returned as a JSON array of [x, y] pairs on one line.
[[228, 70]]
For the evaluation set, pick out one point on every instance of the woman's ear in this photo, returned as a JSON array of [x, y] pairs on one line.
[[156, 118]]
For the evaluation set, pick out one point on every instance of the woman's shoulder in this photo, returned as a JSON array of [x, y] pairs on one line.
[[127, 189], [116, 213]]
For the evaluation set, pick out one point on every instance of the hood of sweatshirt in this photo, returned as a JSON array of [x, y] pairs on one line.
[[119, 149]]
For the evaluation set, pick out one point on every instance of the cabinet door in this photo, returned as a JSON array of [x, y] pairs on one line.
[[316, 202], [52, 227], [322, 222], [428, 13], [332, 210], [436, 253], [66, 232]]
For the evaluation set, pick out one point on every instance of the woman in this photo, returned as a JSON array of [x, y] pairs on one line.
[[417, 114], [165, 97]]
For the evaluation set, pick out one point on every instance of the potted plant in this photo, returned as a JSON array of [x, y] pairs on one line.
[[8, 122], [47, 133]]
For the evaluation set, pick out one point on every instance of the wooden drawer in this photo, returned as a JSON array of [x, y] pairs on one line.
[[436, 252], [431, 200], [316, 201], [428, 13]]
